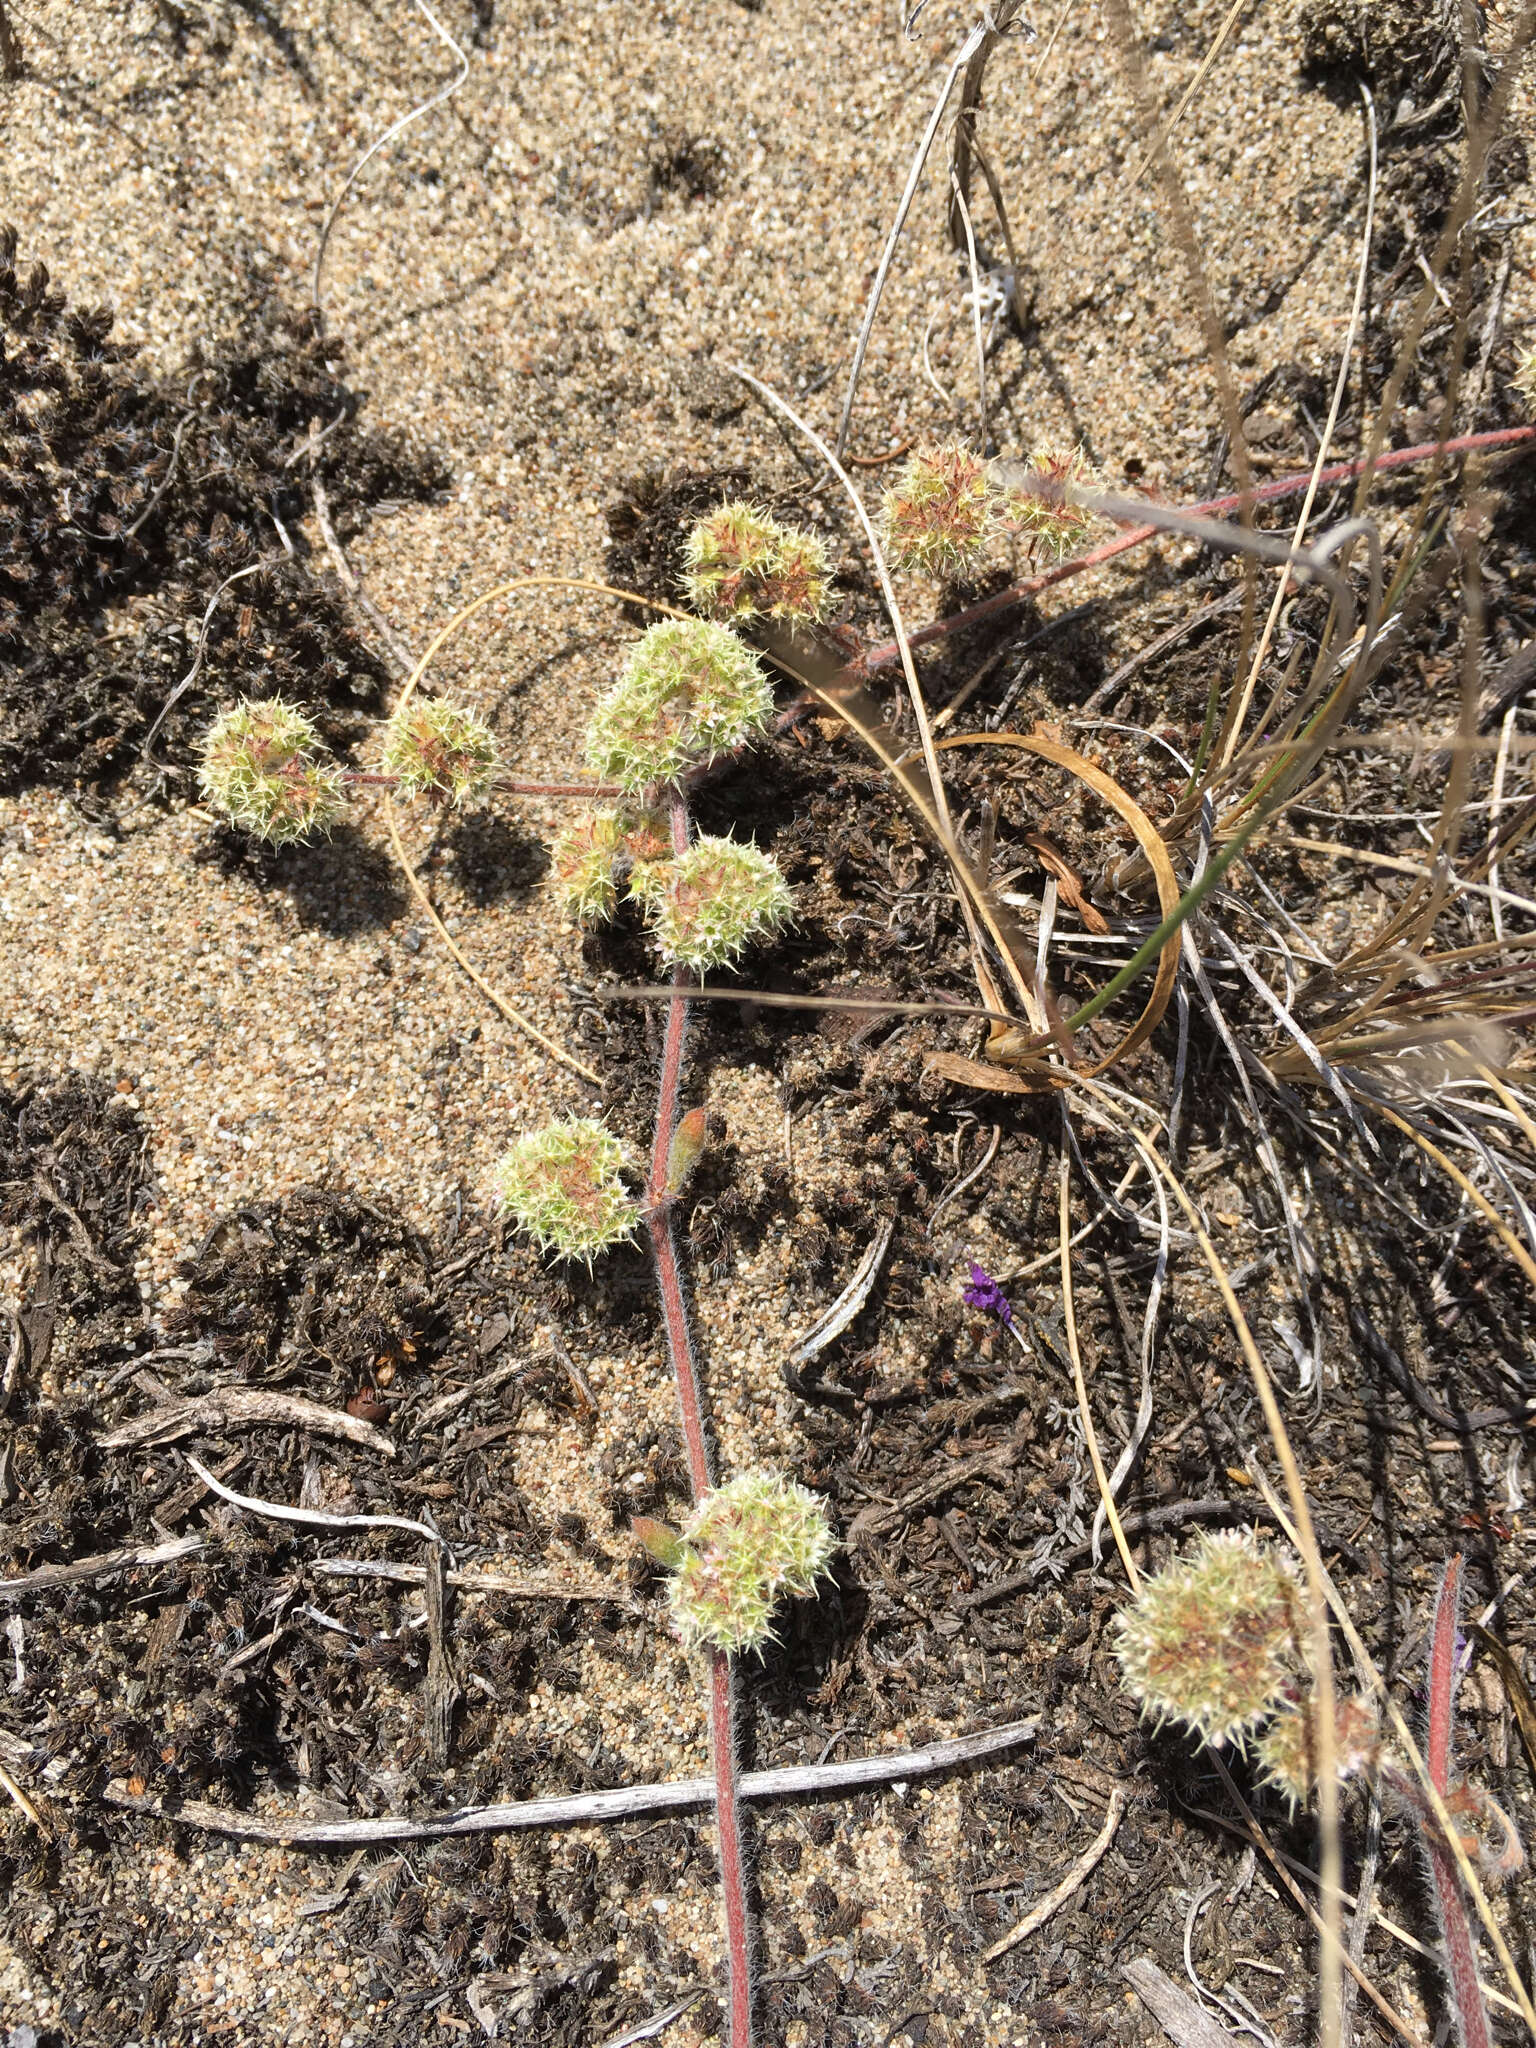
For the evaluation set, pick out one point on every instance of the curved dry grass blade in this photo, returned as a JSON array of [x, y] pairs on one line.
[[850, 1303], [1144, 1404], [1201, 74], [975, 899], [1235, 722], [1449, 1829], [395, 128], [1480, 140], [1079, 1383], [1151, 843], [967, 50], [1319, 1647], [1448, 1166], [981, 346]]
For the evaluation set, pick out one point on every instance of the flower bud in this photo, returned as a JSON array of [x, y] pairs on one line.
[[583, 860], [713, 901], [261, 768], [436, 750], [689, 692], [687, 1148], [658, 1540], [561, 1185], [1211, 1641], [938, 515], [747, 1544]]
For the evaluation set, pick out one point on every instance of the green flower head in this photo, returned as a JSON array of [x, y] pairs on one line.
[[743, 565], [262, 769], [1286, 1752], [711, 903], [689, 691], [562, 1186], [1211, 1641], [747, 1545], [583, 861], [1042, 510], [938, 515], [433, 749]]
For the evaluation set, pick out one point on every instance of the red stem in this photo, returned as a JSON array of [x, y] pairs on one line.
[[1283, 487], [572, 789], [733, 1874], [1442, 1678], [584, 790], [690, 1401], [1460, 1953]]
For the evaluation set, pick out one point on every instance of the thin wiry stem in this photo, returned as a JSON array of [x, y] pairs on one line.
[[381, 142]]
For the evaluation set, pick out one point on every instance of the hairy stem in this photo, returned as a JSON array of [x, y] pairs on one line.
[[733, 1872], [690, 1400], [1471, 2013]]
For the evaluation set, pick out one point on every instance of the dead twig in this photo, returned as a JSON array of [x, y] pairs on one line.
[[443, 1691], [350, 581], [1182, 2018], [309, 1518], [132, 1557], [586, 1808], [462, 1581], [240, 1408], [850, 1303], [1074, 1880]]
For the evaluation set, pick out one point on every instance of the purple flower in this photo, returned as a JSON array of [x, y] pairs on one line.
[[985, 1293]]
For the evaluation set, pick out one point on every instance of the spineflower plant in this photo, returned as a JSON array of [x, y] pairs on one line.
[[264, 767], [690, 692]]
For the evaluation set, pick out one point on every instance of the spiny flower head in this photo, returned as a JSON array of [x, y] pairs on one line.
[[689, 691], [797, 585], [1041, 508], [1287, 1750], [743, 565], [747, 1545], [562, 1186], [724, 557], [262, 769], [434, 749], [712, 902], [1525, 376], [938, 515], [583, 859], [1211, 1641]]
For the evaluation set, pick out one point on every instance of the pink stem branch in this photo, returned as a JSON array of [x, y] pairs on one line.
[[690, 1400], [585, 790]]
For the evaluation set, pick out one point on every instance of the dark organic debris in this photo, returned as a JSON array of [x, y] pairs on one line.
[[126, 506]]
